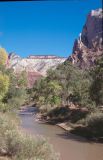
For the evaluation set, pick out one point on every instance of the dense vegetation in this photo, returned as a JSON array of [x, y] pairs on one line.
[[14, 144], [65, 86], [12, 86], [68, 93]]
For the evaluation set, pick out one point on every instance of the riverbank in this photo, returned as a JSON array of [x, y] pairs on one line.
[[68, 121], [79, 129], [65, 143]]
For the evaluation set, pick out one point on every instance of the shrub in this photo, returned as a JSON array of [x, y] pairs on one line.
[[45, 108], [3, 107], [94, 122], [78, 115], [3, 56], [15, 102], [58, 114], [19, 146], [4, 85], [15, 98]]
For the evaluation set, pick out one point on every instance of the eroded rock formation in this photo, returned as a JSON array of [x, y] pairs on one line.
[[35, 66], [89, 46]]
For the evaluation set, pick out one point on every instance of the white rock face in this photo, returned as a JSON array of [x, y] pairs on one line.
[[39, 64], [97, 12]]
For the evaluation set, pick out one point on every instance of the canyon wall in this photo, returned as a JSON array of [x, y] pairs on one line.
[[89, 46]]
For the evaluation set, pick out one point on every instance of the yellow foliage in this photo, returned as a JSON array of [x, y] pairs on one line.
[[4, 85], [3, 56]]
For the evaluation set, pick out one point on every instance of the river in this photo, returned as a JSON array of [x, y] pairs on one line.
[[69, 146]]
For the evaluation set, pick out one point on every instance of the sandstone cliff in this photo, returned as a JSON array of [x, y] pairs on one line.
[[34, 63], [35, 66], [89, 46]]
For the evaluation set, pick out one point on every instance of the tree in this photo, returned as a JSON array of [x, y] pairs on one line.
[[3, 56], [4, 85], [22, 79], [15, 96], [67, 75], [97, 85], [81, 90], [54, 92]]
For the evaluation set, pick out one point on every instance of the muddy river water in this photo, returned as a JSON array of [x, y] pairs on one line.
[[69, 146]]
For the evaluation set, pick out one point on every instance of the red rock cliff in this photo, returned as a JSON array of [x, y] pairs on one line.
[[89, 46]]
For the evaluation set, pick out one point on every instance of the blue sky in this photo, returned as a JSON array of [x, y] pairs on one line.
[[43, 27]]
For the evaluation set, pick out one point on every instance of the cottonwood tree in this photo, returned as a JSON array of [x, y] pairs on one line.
[[3, 56]]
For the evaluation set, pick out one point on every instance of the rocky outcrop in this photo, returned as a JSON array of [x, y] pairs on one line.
[[89, 46], [36, 66], [34, 63]]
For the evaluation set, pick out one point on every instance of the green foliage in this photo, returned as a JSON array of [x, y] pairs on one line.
[[75, 84], [4, 107], [3, 56], [15, 97], [4, 85], [81, 92], [53, 89], [47, 92], [12, 89], [22, 79], [97, 85], [62, 114], [45, 108], [62, 86], [58, 114], [94, 123]]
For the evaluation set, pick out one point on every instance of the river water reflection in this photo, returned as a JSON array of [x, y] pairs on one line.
[[69, 146]]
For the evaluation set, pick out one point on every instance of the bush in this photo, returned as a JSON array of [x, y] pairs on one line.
[[58, 114], [45, 108], [14, 99], [19, 146], [4, 85], [94, 122], [15, 102], [78, 115], [3, 107]]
